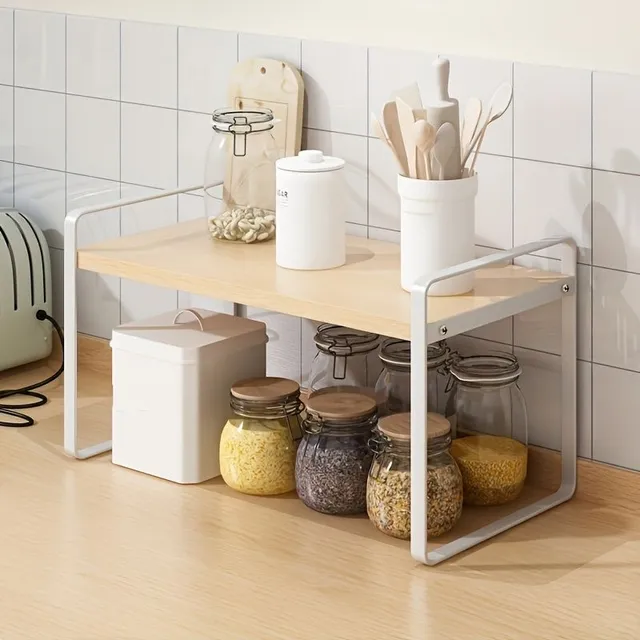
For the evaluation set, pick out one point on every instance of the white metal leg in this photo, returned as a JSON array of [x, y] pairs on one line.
[[71, 319], [422, 334]]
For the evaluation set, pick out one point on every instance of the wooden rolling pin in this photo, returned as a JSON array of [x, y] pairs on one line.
[[445, 109]]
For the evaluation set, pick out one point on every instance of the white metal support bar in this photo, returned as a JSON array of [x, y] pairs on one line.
[[71, 318], [420, 339]]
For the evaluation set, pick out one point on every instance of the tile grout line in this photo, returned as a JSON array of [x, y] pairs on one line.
[[591, 273], [513, 184], [120, 159], [13, 80]]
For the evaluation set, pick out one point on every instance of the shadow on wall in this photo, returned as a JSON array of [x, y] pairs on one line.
[[617, 335]]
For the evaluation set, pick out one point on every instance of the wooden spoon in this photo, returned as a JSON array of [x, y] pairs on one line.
[[394, 134], [500, 102], [425, 136], [407, 120], [470, 122], [443, 146], [380, 133]]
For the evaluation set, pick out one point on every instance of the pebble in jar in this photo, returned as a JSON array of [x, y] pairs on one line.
[[258, 444], [389, 482]]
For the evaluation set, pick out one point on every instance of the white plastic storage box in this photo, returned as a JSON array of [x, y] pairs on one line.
[[171, 381]]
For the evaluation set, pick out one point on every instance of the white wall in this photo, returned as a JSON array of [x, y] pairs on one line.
[[575, 33]]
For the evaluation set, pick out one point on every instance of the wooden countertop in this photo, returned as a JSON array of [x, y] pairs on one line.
[[90, 551], [364, 294]]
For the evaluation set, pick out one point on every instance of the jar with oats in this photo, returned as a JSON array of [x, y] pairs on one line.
[[489, 417], [258, 444], [389, 482]]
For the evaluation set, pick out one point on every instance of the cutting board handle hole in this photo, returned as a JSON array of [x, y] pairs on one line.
[[263, 70]]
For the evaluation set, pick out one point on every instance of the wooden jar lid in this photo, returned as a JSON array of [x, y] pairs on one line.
[[398, 426], [265, 389], [335, 404]]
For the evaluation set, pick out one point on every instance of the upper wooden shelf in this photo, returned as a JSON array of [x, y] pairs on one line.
[[364, 294]]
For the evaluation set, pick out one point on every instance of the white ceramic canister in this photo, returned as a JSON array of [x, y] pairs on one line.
[[437, 231], [310, 211]]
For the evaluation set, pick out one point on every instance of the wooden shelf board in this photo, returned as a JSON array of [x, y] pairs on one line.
[[364, 294]]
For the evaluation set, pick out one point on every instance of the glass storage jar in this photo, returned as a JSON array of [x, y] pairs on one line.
[[389, 483], [240, 175], [489, 415], [333, 458], [342, 359], [393, 388], [258, 444]]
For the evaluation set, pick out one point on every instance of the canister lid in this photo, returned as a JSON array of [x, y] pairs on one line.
[[500, 368], [398, 353], [342, 341], [398, 426], [265, 389], [335, 404], [310, 160]]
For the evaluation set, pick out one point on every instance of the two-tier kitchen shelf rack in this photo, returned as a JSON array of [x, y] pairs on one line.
[[364, 294]]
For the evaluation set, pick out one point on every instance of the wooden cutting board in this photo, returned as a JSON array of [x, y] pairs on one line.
[[276, 85]]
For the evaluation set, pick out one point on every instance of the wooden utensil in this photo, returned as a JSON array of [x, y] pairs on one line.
[[445, 109], [425, 136], [394, 133], [380, 133], [470, 122], [500, 102], [411, 95], [421, 167], [407, 120], [444, 146]]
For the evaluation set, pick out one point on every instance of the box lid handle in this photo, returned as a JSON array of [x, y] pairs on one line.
[[194, 313]]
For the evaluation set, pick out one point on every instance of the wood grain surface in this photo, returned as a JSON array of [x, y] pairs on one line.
[[90, 551]]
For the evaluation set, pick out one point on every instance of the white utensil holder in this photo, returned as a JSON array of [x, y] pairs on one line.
[[437, 230]]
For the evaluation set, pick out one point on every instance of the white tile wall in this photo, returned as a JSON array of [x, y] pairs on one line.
[[149, 64], [93, 137], [6, 184], [252, 45], [536, 179], [616, 145], [552, 114], [6, 46], [93, 57], [616, 227], [40, 50], [149, 153], [353, 149], [205, 59], [336, 93], [6, 124], [40, 128]]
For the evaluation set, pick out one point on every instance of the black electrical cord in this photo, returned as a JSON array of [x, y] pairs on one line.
[[22, 419]]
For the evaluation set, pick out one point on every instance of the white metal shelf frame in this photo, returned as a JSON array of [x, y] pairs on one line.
[[423, 333]]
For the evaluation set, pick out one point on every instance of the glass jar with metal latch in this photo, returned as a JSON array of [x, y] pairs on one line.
[[240, 175], [342, 359], [333, 458], [393, 388], [489, 415], [258, 444], [389, 483]]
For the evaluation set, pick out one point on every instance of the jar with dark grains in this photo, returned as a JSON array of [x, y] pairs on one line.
[[389, 483], [333, 458], [393, 388]]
